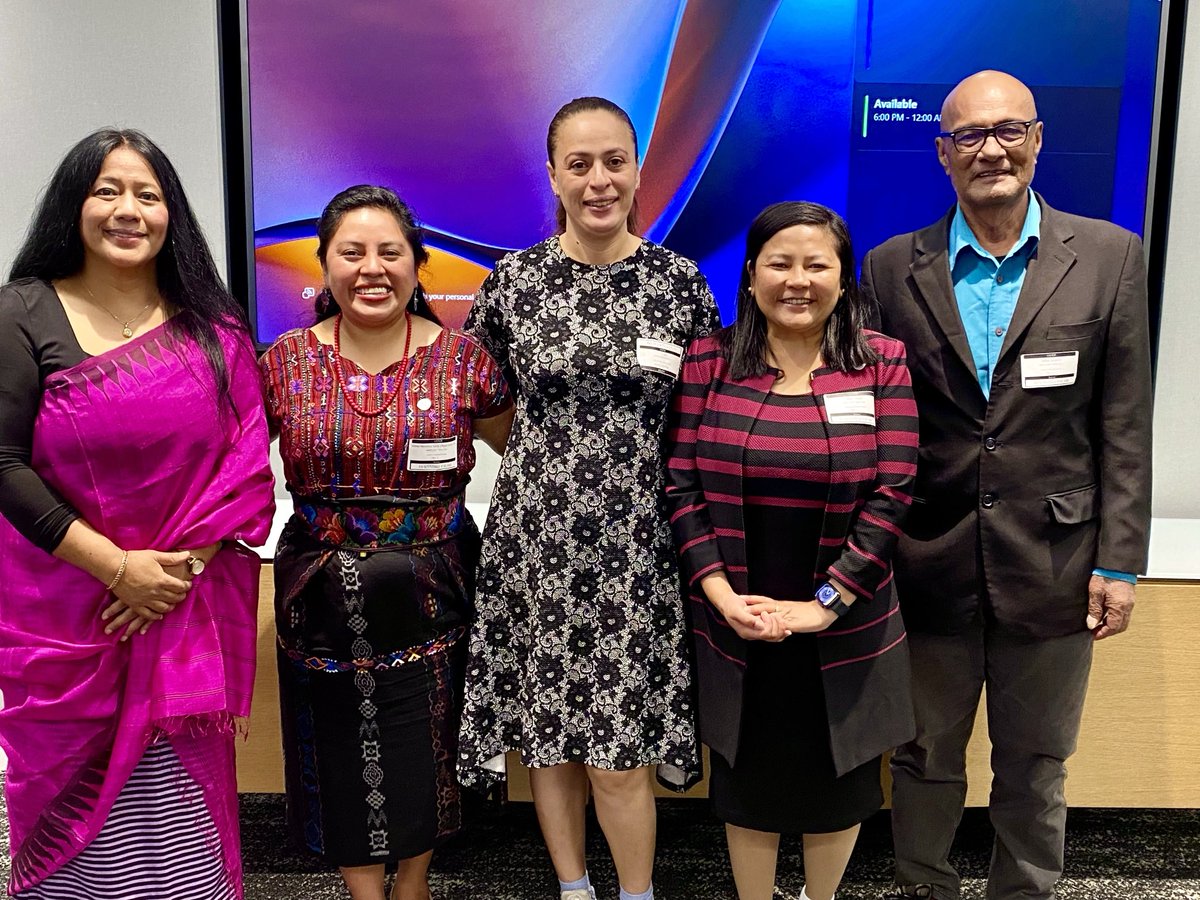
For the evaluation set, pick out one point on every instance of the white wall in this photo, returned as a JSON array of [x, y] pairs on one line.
[[1176, 423], [68, 67]]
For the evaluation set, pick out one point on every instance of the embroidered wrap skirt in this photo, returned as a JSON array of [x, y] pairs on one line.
[[372, 601]]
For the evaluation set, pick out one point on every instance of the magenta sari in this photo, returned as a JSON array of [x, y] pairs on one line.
[[138, 442]]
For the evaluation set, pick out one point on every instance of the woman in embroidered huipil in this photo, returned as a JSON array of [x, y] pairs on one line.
[[376, 406], [792, 447], [133, 457]]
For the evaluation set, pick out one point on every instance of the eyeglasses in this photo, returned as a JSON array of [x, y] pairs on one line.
[[1007, 134]]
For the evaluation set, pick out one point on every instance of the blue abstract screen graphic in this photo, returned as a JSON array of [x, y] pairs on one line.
[[737, 103]]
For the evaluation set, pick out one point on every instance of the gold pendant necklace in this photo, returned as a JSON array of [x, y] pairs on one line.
[[126, 326]]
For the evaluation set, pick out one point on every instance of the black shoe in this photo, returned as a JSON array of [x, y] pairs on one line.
[[910, 890]]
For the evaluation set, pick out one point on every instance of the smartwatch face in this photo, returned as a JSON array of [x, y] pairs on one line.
[[827, 594]]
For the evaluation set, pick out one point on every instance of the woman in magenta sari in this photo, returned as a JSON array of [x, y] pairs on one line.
[[133, 453]]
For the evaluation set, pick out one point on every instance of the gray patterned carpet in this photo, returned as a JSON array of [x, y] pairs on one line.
[[1148, 854]]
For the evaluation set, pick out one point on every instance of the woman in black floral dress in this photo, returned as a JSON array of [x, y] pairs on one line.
[[578, 657]]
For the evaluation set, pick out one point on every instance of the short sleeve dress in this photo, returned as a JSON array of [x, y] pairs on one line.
[[579, 651]]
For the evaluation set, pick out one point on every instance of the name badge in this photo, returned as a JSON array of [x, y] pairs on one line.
[[1047, 370], [432, 454], [850, 408], [659, 356]]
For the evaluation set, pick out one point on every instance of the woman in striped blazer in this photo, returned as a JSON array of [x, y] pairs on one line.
[[791, 452]]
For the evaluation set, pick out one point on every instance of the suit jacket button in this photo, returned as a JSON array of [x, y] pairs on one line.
[[990, 443], [989, 500]]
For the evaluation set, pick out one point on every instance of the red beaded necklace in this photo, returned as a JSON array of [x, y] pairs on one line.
[[389, 396]]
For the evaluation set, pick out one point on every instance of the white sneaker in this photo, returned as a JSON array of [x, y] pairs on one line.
[[579, 894]]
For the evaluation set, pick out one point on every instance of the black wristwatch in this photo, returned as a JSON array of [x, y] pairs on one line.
[[831, 598]]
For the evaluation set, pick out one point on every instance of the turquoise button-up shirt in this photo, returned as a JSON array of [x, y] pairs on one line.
[[987, 288]]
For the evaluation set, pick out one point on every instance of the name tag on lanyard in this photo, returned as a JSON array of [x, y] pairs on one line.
[[433, 454], [850, 408]]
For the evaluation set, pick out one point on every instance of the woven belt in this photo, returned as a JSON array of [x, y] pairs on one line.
[[388, 661], [380, 524]]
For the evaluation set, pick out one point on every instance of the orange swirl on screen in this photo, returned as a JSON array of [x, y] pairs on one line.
[[292, 268]]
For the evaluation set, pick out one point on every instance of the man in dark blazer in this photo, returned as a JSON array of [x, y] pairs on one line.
[[1028, 344]]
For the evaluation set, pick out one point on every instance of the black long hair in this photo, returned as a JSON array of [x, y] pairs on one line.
[[580, 105], [186, 273], [371, 196], [844, 347]]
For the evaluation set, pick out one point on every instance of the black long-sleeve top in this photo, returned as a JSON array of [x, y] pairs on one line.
[[36, 340]]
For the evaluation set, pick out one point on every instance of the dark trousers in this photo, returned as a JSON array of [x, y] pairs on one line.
[[1035, 694]]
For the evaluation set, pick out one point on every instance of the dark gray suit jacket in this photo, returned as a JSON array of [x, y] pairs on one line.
[[1018, 497]]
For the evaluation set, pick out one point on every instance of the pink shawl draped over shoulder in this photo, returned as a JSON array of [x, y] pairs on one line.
[[139, 443]]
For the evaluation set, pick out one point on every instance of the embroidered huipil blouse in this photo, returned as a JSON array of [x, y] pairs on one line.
[[330, 450]]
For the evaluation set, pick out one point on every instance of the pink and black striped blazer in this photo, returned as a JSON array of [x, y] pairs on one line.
[[864, 657]]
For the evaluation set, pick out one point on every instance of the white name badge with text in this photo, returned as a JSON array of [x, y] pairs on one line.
[[659, 356], [850, 408], [1047, 370], [433, 454]]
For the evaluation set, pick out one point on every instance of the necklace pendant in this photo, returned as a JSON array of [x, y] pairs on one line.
[[127, 332]]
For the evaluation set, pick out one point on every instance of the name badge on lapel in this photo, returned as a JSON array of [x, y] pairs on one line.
[[1047, 370], [659, 356], [433, 454], [850, 408]]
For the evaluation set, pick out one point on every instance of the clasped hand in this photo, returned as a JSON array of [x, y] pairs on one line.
[[759, 618], [154, 583]]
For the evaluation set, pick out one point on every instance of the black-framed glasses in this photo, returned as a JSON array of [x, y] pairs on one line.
[[1007, 134]]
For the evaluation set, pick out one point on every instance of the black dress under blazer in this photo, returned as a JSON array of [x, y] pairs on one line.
[[864, 656]]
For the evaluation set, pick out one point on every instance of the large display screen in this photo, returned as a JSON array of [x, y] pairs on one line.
[[737, 104]]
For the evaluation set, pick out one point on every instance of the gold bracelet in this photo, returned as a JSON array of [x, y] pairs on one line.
[[120, 570]]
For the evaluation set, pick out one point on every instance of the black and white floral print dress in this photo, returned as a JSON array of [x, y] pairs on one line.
[[578, 652]]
